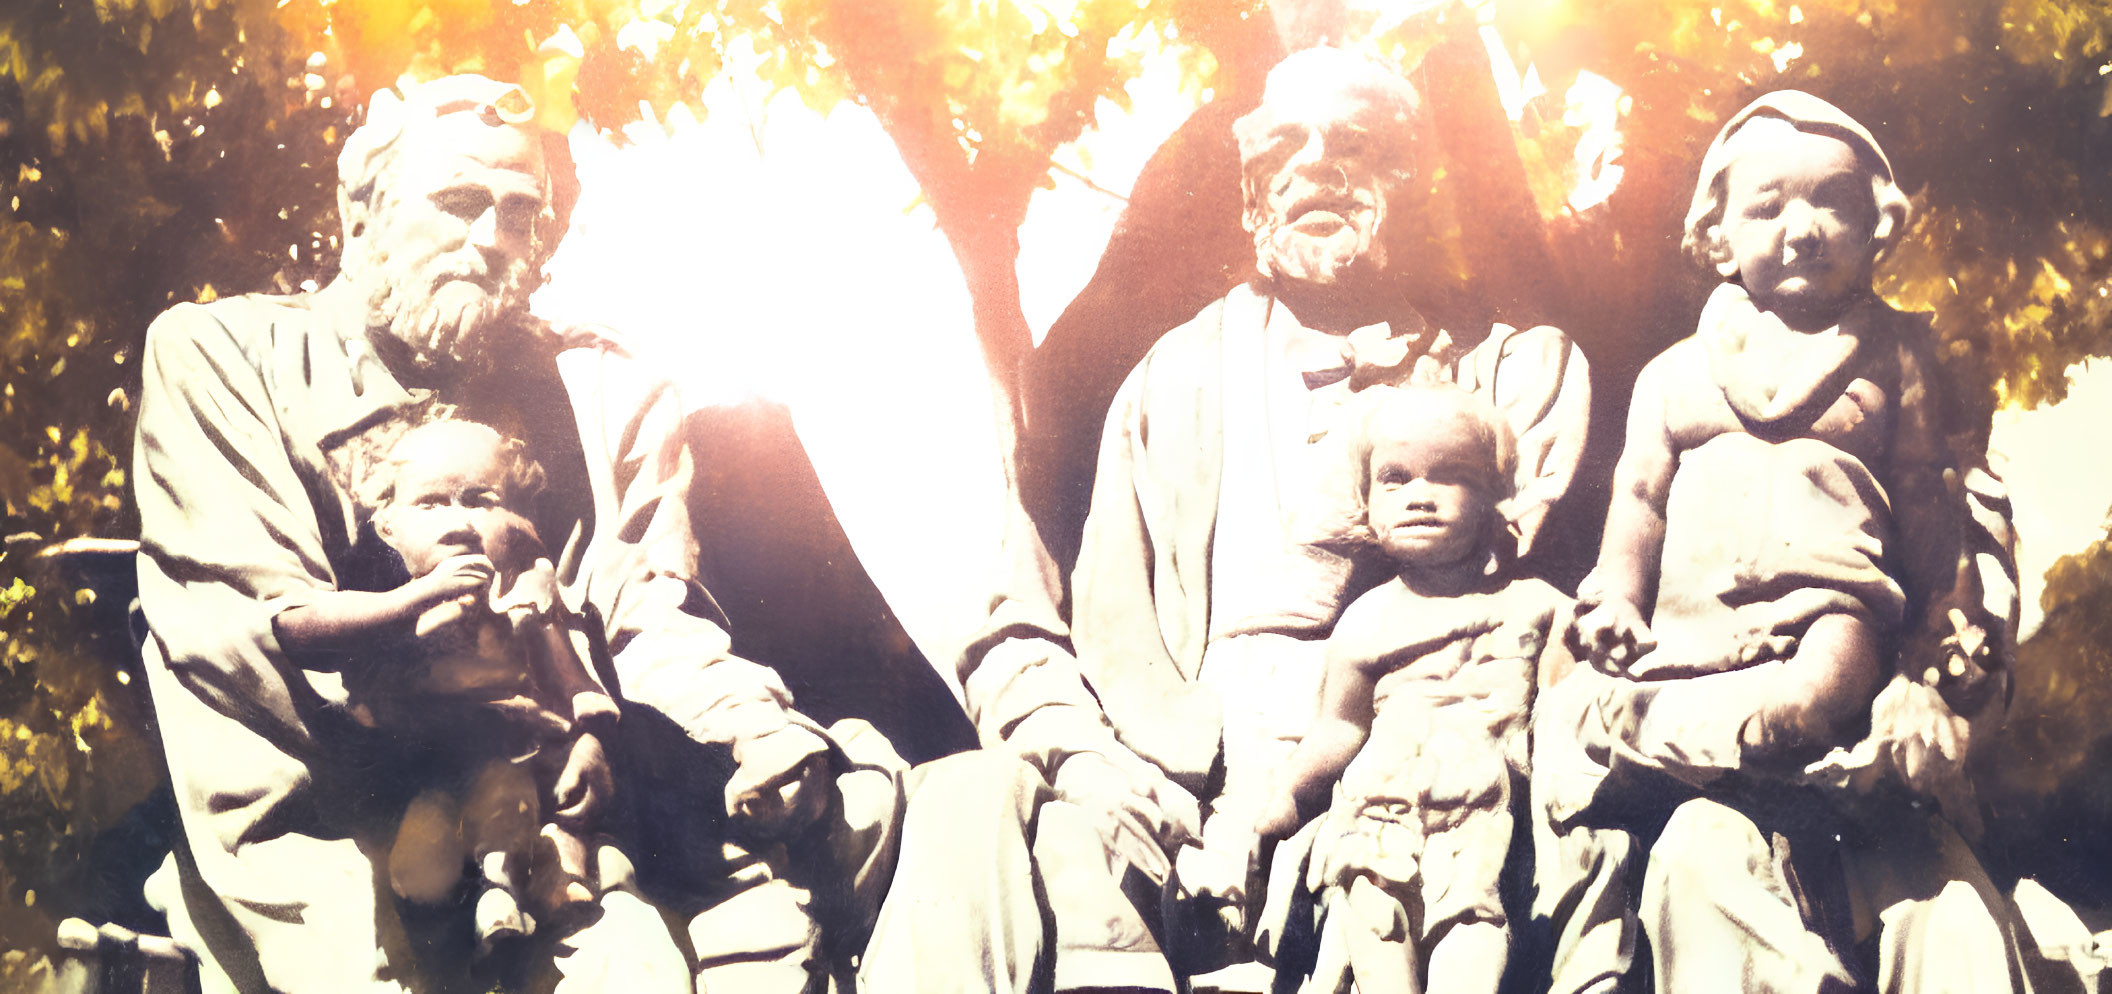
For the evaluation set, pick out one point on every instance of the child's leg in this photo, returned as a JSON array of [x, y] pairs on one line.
[[498, 825], [1466, 937], [499, 817], [1470, 958], [1380, 941], [425, 860], [1824, 698], [561, 873], [1775, 717]]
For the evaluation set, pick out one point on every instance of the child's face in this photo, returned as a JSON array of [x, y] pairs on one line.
[[1798, 217], [450, 492], [1427, 505]]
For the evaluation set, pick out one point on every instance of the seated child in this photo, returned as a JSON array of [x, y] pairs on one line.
[[497, 674], [1423, 711], [1791, 590], [1774, 462]]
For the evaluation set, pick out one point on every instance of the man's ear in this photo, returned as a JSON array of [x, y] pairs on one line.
[[1256, 220], [384, 525], [1253, 212], [358, 225]]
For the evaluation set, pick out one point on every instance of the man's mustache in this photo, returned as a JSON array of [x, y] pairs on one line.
[[453, 327], [1336, 198], [482, 276]]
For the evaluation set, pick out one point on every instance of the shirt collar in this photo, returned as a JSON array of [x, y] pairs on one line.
[[1376, 353]]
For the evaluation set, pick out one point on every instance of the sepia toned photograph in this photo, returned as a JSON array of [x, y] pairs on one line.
[[1032, 496]]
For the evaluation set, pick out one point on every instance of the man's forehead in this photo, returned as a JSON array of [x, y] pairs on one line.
[[1319, 101], [1330, 85], [456, 146]]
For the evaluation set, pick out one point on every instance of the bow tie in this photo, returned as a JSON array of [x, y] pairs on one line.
[[1378, 353]]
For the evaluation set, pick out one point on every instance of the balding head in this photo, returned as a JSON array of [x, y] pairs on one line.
[[1321, 160], [451, 198]]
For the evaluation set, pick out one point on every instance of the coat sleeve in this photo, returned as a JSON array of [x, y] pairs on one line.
[[1926, 500], [1022, 685], [666, 636], [1961, 552], [1542, 385], [229, 524], [1122, 651]]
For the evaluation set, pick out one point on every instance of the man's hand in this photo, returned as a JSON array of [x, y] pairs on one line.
[[1927, 742], [782, 784], [1915, 739], [1610, 635], [1141, 815], [1221, 876], [1958, 657], [584, 787]]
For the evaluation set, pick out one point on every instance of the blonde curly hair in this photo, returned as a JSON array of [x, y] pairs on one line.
[[522, 478], [1383, 413]]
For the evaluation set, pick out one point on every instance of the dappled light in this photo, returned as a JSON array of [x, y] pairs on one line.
[[939, 232]]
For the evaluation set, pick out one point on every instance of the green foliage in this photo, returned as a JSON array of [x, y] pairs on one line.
[[2064, 681], [1994, 116], [2045, 778], [1998, 119], [153, 151], [150, 152]]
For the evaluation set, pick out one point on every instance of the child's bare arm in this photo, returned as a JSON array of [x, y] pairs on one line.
[[346, 619], [1343, 724], [1609, 630], [1635, 518], [585, 784]]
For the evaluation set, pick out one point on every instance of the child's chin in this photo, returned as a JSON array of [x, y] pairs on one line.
[[1801, 296], [1422, 553]]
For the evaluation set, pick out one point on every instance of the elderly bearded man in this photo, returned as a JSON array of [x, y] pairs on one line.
[[1198, 612], [257, 415]]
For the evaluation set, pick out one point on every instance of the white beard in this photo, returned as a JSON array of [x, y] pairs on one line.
[[1333, 256], [453, 323], [1317, 260]]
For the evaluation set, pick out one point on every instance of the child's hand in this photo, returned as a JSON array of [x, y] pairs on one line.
[[584, 787], [443, 596], [469, 574], [1610, 635], [783, 783], [1279, 820]]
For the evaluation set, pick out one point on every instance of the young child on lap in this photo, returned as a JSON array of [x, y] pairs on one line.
[[1781, 495], [493, 671], [1423, 713]]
